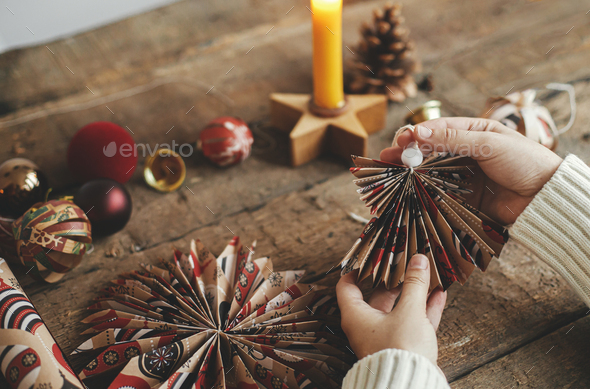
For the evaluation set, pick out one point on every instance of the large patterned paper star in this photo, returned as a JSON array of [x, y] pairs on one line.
[[311, 135]]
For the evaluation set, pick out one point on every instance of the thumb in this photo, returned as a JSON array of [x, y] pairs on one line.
[[416, 283], [474, 144]]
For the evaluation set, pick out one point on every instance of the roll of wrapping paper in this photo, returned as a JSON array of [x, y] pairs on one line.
[[29, 355]]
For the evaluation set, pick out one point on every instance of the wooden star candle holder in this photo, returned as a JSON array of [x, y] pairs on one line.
[[314, 130]]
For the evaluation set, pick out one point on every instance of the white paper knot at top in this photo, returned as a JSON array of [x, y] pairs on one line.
[[412, 156]]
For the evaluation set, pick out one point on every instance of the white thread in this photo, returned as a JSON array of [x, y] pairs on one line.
[[572, 93]]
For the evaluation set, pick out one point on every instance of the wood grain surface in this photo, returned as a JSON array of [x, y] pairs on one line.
[[153, 71]]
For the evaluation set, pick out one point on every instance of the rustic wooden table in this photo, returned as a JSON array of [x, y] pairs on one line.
[[517, 325]]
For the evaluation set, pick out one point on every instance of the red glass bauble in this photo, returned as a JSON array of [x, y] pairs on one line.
[[102, 150], [106, 203], [226, 141]]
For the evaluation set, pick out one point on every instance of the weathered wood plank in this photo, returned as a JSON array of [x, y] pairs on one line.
[[558, 360]]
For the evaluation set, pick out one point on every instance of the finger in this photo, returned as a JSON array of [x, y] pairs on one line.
[[416, 282], [350, 297], [383, 299], [404, 139], [468, 124], [479, 145], [391, 154], [435, 306]]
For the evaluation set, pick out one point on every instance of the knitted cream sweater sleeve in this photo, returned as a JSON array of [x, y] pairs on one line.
[[394, 369], [556, 225]]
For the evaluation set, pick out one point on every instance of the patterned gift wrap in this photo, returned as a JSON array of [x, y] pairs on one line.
[[51, 239], [420, 210], [227, 322], [29, 356]]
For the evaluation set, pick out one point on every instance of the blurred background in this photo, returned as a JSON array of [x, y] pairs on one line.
[[19, 27]]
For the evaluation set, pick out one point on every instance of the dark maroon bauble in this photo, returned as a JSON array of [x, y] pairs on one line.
[[106, 203]]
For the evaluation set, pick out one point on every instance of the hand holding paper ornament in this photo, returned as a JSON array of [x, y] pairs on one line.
[[421, 209], [226, 141], [511, 169], [225, 322], [51, 239]]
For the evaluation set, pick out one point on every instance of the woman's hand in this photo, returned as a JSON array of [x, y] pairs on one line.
[[377, 325], [515, 168]]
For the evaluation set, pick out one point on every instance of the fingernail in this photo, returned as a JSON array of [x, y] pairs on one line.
[[419, 262], [424, 132]]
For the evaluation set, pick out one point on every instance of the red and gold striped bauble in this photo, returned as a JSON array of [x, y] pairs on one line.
[[51, 239]]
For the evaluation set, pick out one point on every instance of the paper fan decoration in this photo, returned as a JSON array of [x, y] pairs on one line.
[[226, 322], [420, 210]]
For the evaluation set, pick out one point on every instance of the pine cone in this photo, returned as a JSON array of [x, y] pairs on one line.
[[384, 60]]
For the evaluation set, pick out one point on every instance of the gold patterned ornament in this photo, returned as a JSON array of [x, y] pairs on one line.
[[51, 239], [225, 322]]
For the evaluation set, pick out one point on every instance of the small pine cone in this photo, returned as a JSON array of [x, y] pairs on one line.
[[394, 72], [357, 85], [387, 57], [395, 93], [397, 46], [384, 61], [373, 41], [377, 15], [384, 27], [409, 86]]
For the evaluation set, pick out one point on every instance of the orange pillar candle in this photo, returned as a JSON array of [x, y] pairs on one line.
[[328, 88]]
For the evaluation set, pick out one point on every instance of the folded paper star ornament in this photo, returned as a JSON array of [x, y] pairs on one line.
[[226, 322], [420, 208]]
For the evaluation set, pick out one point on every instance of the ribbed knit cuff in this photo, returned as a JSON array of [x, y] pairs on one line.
[[394, 369], [556, 224]]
